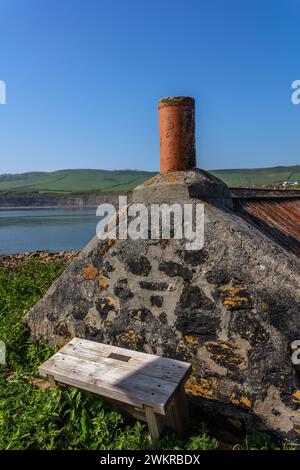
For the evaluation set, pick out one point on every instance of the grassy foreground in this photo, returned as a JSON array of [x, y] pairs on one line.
[[35, 417]]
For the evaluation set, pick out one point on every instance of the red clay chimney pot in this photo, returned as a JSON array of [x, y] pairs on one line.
[[177, 134]]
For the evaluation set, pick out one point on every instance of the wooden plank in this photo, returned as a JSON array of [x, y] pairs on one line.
[[131, 387], [179, 367], [51, 380], [106, 349], [153, 423], [151, 365], [179, 412], [134, 411]]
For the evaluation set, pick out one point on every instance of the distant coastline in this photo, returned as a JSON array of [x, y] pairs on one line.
[[85, 182], [68, 202], [87, 188]]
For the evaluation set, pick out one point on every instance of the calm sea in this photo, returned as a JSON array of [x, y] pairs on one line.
[[47, 229]]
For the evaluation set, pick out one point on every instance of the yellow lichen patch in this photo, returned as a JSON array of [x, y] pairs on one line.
[[201, 387], [265, 307], [103, 283], [242, 401], [191, 340], [296, 397], [236, 297], [89, 272], [296, 429], [106, 246], [224, 353], [130, 337], [112, 302], [182, 349], [109, 303], [210, 344]]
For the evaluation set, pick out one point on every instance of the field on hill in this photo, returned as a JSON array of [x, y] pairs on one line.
[[259, 176], [86, 181], [73, 181]]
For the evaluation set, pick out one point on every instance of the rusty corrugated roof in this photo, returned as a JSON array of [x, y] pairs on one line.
[[264, 193], [279, 218]]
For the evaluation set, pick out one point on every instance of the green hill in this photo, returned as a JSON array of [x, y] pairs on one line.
[[259, 176], [86, 181], [73, 181]]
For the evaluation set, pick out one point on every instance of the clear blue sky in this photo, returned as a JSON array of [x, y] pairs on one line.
[[84, 77]]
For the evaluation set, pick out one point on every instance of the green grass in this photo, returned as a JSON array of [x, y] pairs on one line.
[[73, 181], [259, 176], [61, 418], [87, 181]]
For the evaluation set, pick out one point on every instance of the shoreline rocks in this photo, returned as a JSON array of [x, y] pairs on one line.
[[16, 260]]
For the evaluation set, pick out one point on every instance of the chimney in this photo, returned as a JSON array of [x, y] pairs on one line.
[[179, 180], [177, 134]]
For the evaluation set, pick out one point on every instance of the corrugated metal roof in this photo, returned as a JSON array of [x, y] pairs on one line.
[[259, 193], [278, 218]]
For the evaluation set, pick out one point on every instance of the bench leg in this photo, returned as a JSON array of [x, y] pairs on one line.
[[153, 423], [51, 380], [178, 413]]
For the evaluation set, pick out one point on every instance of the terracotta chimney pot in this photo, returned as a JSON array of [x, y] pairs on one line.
[[177, 134]]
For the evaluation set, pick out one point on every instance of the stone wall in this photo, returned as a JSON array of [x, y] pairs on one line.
[[232, 309]]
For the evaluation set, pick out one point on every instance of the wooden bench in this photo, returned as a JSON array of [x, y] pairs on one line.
[[150, 388]]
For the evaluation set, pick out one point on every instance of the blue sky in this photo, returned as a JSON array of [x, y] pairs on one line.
[[83, 80]]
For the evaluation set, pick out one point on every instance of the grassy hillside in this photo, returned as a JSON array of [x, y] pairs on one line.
[[259, 176], [73, 181], [82, 181]]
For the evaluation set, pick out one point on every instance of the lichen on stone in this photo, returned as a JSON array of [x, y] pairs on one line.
[[191, 340], [225, 354], [130, 338], [103, 283], [89, 272], [201, 387], [296, 397], [241, 401], [236, 298]]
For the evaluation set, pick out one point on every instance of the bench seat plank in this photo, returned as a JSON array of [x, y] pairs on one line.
[[154, 366]]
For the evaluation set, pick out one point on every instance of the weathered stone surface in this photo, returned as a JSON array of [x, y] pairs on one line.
[[140, 266], [232, 309], [154, 285], [156, 300], [173, 269], [122, 291], [178, 186]]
